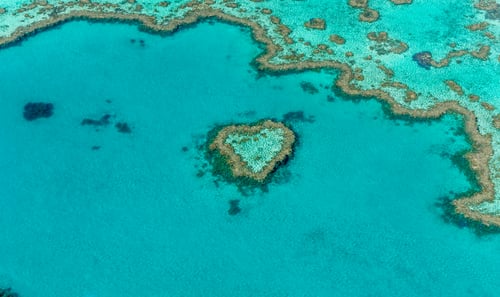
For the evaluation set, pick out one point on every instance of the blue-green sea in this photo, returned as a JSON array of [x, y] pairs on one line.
[[90, 212]]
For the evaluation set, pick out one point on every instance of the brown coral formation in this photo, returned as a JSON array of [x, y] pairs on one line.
[[337, 39], [454, 87], [496, 121], [473, 98], [358, 3], [232, 5], [368, 15], [281, 29], [477, 26], [489, 35], [388, 72], [378, 37], [316, 23], [323, 48], [385, 45], [487, 106], [266, 11], [239, 168], [399, 2], [483, 53], [486, 5], [410, 96], [395, 84], [284, 31]]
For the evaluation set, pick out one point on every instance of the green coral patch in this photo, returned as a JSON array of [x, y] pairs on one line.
[[257, 149], [254, 151]]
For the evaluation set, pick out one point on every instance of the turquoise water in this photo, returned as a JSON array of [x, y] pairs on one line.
[[356, 216]]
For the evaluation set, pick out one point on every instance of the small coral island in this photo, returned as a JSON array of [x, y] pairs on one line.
[[251, 152]]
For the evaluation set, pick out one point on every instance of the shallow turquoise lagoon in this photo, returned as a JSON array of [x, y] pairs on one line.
[[356, 214]]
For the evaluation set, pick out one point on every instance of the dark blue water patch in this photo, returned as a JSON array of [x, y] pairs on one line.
[[297, 117], [139, 42], [247, 114], [234, 207], [309, 87], [36, 110], [102, 121], [123, 127], [8, 293], [105, 120]]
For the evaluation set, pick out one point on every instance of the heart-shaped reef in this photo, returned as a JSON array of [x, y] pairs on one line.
[[254, 151]]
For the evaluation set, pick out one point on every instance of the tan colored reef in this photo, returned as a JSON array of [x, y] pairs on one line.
[[369, 15], [477, 26], [496, 121], [316, 23], [454, 87], [239, 168], [486, 5], [337, 39], [399, 2]]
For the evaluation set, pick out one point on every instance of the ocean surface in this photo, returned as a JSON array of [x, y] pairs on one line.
[[90, 212]]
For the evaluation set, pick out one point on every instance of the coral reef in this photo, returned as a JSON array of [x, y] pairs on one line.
[[337, 39], [454, 87], [316, 23], [399, 2], [423, 59], [385, 45], [254, 151], [369, 15]]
